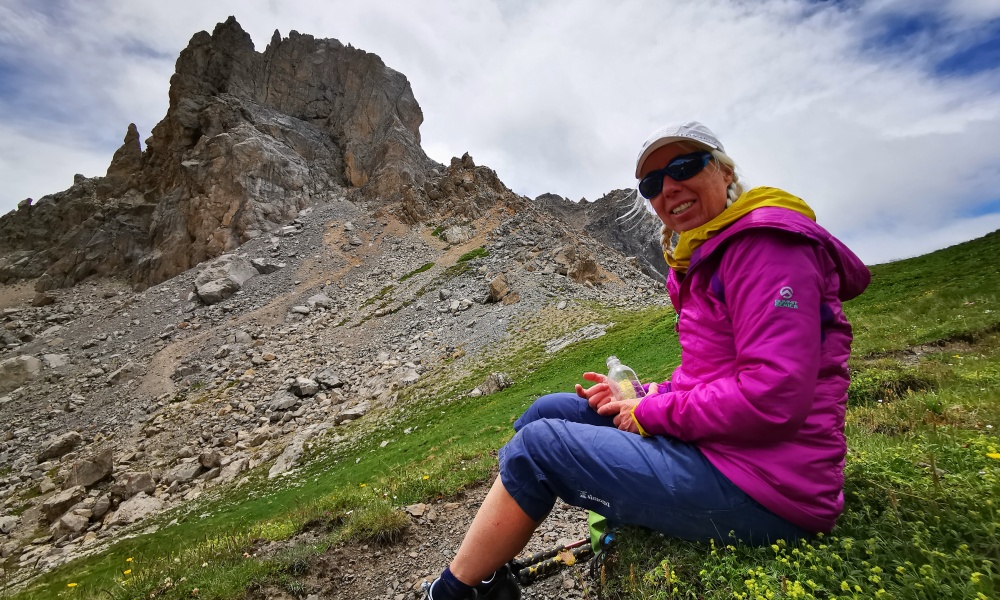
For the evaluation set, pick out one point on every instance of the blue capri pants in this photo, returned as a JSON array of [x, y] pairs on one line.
[[564, 449]]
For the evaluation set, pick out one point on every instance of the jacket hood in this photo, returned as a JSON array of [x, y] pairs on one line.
[[854, 275]]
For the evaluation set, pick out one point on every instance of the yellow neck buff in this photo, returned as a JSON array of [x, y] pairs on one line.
[[749, 201]]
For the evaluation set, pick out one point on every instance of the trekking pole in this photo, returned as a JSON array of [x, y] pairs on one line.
[[542, 564]]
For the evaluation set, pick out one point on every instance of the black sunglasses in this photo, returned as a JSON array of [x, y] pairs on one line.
[[683, 167]]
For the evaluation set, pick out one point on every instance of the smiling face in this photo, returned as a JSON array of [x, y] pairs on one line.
[[685, 205]]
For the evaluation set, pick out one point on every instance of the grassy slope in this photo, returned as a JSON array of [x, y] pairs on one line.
[[919, 523]]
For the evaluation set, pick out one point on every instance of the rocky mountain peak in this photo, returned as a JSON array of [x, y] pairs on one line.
[[249, 140], [128, 158], [612, 220]]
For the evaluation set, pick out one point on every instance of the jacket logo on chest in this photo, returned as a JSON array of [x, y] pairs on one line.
[[786, 298]]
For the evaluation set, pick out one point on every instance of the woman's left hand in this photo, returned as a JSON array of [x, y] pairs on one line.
[[622, 409]]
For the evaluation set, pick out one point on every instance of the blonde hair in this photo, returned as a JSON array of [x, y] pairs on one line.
[[668, 237]]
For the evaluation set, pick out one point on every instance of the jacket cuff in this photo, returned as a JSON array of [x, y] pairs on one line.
[[642, 430]]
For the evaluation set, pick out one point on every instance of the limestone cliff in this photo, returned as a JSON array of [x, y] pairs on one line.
[[249, 139]]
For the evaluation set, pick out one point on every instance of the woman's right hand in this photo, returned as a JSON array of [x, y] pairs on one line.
[[596, 395]]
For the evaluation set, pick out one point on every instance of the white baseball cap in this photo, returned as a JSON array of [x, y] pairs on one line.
[[691, 131]]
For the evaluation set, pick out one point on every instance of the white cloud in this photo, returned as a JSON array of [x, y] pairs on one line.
[[920, 240], [33, 166], [557, 96]]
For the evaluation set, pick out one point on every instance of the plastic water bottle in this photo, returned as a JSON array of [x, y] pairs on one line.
[[623, 381]]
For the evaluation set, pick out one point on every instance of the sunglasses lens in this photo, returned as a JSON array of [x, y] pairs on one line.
[[685, 168], [651, 185], [679, 169]]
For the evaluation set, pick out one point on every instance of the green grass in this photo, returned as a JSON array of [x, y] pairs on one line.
[[951, 294], [922, 474], [381, 295], [417, 271]]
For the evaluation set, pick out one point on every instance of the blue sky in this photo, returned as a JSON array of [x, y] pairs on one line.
[[882, 115]]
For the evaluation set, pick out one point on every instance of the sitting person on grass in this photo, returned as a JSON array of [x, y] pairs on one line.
[[746, 439]]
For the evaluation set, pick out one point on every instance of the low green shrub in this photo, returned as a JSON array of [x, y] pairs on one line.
[[885, 380], [473, 254]]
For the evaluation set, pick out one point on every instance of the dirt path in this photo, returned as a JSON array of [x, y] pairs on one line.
[[15, 295], [369, 571]]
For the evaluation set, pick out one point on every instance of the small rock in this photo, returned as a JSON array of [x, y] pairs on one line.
[[210, 459], [305, 387], [8, 523], [283, 400], [352, 413]]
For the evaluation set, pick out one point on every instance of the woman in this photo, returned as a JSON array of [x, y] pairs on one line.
[[746, 439]]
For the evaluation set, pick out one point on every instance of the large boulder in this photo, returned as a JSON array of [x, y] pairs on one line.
[[139, 482], [351, 413], [495, 382], [15, 372], [90, 471], [70, 523], [135, 508], [182, 473], [498, 289], [283, 400], [59, 445], [222, 278], [577, 263], [54, 506]]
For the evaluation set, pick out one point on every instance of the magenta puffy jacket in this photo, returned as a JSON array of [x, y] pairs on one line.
[[762, 385]]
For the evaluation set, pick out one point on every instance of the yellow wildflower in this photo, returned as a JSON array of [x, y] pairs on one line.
[[427, 477], [129, 559], [127, 572], [844, 586], [993, 455], [363, 485], [72, 585]]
